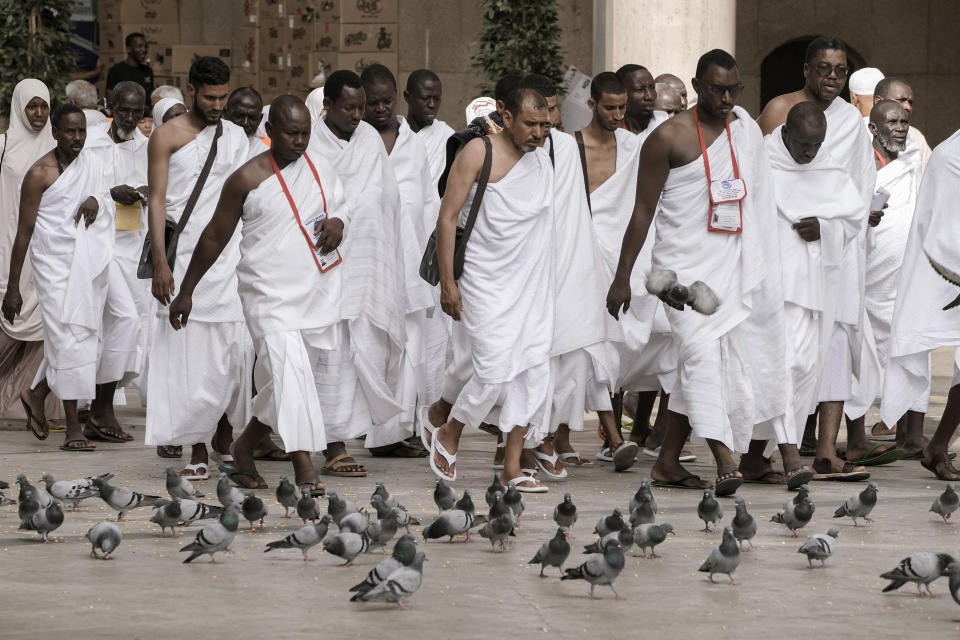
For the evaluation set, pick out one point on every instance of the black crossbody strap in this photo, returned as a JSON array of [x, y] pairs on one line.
[[583, 164], [198, 187], [481, 187]]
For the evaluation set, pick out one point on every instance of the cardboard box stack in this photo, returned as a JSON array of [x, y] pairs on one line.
[[158, 20]]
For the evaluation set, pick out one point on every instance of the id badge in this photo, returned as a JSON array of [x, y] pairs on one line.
[[732, 190], [326, 261], [725, 218], [128, 217]]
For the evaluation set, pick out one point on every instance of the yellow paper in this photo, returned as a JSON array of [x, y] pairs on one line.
[[128, 217]]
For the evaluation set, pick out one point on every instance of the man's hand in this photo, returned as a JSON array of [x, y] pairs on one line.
[[180, 310], [876, 216], [808, 228], [12, 303], [450, 301], [162, 287], [618, 296], [330, 231], [125, 194], [88, 211]]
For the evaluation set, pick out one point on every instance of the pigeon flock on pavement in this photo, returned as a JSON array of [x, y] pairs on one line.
[[398, 576]]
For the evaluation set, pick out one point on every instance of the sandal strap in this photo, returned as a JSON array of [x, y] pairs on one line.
[[522, 479], [552, 459], [451, 458]]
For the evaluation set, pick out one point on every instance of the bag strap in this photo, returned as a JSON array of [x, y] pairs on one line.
[[583, 164], [6, 136], [198, 187], [481, 187]]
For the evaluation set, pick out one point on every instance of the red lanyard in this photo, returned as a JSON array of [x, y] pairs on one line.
[[296, 213], [883, 162], [703, 149]]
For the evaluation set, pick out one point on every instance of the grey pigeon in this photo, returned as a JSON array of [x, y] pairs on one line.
[[725, 558], [465, 503], [253, 509], [514, 499], [287, 495], [400, 512], [30, 492], [381, 490], [45, 521], [214, 537], [4, 500], [122, 500], [602, 570], [179, 487], [612, 522], [404, 519], [191, 511], [303, 538], [69, 492], [643, 493], [104, 536], [819, 546], [380, 506], [565, 514], [449, 524], [168, 516], [497, 530], [25, 510], [227, 494], [403, 554], [797, 512], [355, 522], [953, 570], [308, 508], [338, 508], [553, 553], [624, 537], [744, 525], [399, 585], [648, 536], [443, 496], [946, 503], [494, 487], [922, 568], [499, 508], [347, 545], [709, 510], [642, 513], [382, 530], [860, 505]]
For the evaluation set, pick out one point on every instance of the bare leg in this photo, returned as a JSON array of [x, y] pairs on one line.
[[935, 454], [667, 468], [726, 465], [911, 428], [610, 429], [242, 451], [660, 424], [641, 416], [102, 413], [858, 445], [548, 448], [511, 461], [755, 467], [830, 415], [223, 436], [439, 412], [73, 438], [449, 436], [562, 444]]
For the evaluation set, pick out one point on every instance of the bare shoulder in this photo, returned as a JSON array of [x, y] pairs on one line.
[[775, 113], [173, 135], [43, 172], [471, 156], [254, 171], [674, 130]]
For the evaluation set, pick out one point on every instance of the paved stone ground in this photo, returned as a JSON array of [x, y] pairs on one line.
[[145, 592]]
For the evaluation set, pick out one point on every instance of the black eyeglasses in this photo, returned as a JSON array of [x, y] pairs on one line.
[[824, 70], [718, 90]]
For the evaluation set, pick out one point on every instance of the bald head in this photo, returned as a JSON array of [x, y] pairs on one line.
[[286, 108], [675, 83], [889, 125], [804, 131], [669, 99], [288, 125]]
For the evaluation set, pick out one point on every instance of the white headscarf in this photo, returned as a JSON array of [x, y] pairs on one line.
[[315, 104], [22, 147], [160, 109], [262, 129]]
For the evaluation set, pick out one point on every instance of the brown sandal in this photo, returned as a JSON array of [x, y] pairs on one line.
[[343, 466], [940, 466]]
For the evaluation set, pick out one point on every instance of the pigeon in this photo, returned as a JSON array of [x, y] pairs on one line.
[[946, 503], [30, 492], [168, 516], [819, 546], [347, 545], [122, 500], [399, 585], [624, 537], [404, 519], [648, 536], [612, 522], [4, 500], [287, 495], [338, 508], [465, 503], [179, 487], [709, 510], [104, 536], [381, 490], [45, 521], [642, 513], [443, 496], [744, 526], [227, 494], [602, 570], [303, 538], [214, 537], [499, 508], [644, 492], [253, 509], [69, 492], [308, 508], [860, 505], [565, 514], [191, 511], [449, 524], [403, 554], [400, 512], [355, 522], [494, 488], [553, 553], [797, 512], [25, 510], [380, 506], [922, 567], [497, 530], [514, 499], [381, 531], [725, 558], [953, 570]]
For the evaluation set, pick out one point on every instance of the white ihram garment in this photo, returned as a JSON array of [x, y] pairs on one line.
[[434, 139]]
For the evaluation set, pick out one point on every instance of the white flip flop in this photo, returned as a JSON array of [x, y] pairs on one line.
[[539, 457], [500, 445], [195, 474], [575, 455], [655, 453], [425, 426], [220, 458], [451, 458], [519, 485], [604, 455], [625, 456]]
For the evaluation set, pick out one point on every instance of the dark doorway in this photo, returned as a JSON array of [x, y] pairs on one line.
[[782, 70]]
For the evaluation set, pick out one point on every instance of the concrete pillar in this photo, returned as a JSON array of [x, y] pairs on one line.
[[666, 36]]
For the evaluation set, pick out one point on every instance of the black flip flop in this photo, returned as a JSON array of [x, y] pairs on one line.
[[162, 454], [92, 431], [727, 486], [677, 484], [31, 419], [65, 447], [625, 456], [314, 493], [798, 477]]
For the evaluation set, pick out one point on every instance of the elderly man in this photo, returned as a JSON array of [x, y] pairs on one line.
[[84, 95], [825, 72], [244, 108], [676, 84], [862, 85], [165, 91], [669, 100], [901, 92]]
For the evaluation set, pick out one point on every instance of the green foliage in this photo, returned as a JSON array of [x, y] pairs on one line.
[[34, 43], [519, 36]]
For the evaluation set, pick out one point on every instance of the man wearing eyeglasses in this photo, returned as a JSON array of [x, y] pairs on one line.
[[825, 71], [705, 174]]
